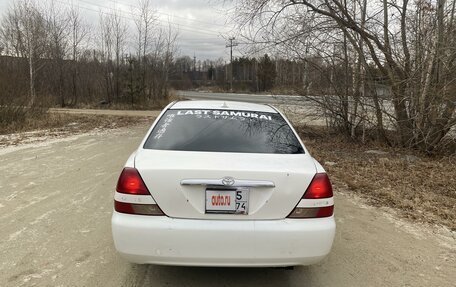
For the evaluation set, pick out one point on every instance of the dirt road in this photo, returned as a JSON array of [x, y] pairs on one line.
[[131, 113], [56, 204]]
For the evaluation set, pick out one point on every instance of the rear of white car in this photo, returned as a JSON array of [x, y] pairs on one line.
[[223, 184]]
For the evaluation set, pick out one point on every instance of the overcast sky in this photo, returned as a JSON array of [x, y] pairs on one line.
[[202, 24]]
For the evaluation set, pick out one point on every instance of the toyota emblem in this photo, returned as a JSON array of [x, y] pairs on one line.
[[228, 181]]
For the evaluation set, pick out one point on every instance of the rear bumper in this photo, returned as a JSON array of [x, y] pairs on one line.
[[261, 243]]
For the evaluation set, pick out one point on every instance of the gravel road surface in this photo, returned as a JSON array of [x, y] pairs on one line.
[[56, 203], [132, 113], [252, 98], [299, 111]]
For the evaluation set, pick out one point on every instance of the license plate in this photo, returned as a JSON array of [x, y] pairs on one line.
[[227, 201]]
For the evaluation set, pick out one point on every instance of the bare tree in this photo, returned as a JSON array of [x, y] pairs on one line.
[[106, 42], [25, 33], [57, 26], [403, 44], [119, 30], [164, 50], [146, 17], [168, 57], [11, 35], [79, 32]]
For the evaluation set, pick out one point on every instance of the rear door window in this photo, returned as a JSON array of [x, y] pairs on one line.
[[223, 131]]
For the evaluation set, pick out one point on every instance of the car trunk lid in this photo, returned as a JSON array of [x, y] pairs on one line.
[[178, 181]]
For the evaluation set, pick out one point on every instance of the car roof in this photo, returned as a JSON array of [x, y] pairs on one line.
[[223, 105]]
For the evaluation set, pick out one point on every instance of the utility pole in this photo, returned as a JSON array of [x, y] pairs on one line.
[[306, 68], [194, 62], [194, 68], [231, 45]]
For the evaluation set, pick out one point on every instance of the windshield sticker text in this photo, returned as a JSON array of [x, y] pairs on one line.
[[168, 120], [223, 114]]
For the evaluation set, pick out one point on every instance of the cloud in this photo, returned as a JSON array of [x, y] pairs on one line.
[[202, 24]]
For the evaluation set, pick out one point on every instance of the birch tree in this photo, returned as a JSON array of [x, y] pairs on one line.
[[24, 32]]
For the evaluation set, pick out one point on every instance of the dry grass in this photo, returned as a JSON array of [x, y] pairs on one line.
[[120, 106], [420, 187], [70, 122], [148, 105], [52, 125]]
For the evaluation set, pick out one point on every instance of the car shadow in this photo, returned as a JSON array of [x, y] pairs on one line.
[[154, 275]]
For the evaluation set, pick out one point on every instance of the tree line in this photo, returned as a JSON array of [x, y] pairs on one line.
[[257, 74], [51, 55], [249, 74]]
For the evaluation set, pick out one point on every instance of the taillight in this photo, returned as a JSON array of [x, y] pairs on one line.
[[312, 212], [317, 201], [320, 187], [139, 209], [131, 184]]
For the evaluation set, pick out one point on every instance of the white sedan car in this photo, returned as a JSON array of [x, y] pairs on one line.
[[218, 183]]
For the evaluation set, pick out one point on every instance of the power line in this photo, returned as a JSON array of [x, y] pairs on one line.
[[186, 28], [166, 14], [200, 31], [191, 29]]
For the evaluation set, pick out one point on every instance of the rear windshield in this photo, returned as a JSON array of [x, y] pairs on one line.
[[223, 131]]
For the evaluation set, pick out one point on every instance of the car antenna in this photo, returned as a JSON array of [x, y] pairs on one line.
[[224, 105]]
